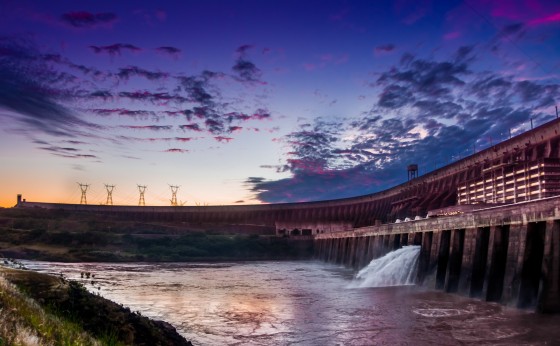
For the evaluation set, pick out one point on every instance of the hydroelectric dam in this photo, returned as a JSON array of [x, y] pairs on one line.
[[488, 225]]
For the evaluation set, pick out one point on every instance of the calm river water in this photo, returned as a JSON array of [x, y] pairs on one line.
[[303, 303]]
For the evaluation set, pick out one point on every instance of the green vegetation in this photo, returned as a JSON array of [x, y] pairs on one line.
[[39, 309], [24, 322], [63, 236]]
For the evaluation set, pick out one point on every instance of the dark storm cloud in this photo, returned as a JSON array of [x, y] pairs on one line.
[[247, 71], [123, 112], [428, 112], [59, 59], [135, 71], [209, 105], [35, 92], [39, 90], [444, 110], [234, 129], [199, 88], [191, 127], [59, 149], [223, 139], [68, 152], [213, 126], [255, 180], [115, 49], [395, 96], [148, 96], [148, 127], [102, 94], [423, 78], [386, 48], [157, 139], [171, 51], [243, 49], [515, 30], [84, 19]]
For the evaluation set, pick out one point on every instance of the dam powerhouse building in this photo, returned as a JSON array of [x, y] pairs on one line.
[[488, 224]]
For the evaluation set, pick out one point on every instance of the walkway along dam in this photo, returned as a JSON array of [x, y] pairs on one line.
[[488, 224]]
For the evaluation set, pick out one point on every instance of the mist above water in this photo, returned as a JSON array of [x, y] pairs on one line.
[[397, 268]]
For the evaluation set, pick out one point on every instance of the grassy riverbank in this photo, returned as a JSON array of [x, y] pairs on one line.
[[38, 309], [72, 237]]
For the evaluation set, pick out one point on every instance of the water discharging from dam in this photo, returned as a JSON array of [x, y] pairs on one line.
[[397, 268], [303, 303]]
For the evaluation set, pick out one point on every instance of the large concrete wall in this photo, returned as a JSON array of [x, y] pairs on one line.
[[508, 254], [434, 190]]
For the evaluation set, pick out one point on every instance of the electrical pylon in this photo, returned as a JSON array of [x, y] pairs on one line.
[[142, 189], [174, 189], [83, 187], [109, 193]]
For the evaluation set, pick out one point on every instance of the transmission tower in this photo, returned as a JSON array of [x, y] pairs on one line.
[[142, 189], [109, 193], [83, 187], [174, 189]]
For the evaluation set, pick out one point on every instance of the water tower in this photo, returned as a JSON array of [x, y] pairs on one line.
[[412, 171]]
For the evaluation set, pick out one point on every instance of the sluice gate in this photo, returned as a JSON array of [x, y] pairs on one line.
[[508, 254]]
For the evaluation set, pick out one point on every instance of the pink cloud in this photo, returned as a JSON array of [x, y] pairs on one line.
[[161, 15], [223, 139], [452, 35], [326, 60], [546, 20], [412, 11]]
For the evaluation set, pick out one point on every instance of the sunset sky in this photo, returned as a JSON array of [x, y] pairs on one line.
[[261, 101]]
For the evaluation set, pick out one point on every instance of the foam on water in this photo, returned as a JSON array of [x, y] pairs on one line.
[[397, 268]]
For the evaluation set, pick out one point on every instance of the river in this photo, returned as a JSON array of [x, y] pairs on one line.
[[302, 303]]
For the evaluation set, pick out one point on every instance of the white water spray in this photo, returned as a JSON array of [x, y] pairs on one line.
[[397, 268]]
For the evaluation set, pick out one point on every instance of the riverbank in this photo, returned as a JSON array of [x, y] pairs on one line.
[[52, 235], [42, 309]]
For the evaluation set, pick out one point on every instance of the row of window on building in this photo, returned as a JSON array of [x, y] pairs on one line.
[[512, 182]]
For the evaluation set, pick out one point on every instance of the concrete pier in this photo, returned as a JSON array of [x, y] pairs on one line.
[[508, 254]]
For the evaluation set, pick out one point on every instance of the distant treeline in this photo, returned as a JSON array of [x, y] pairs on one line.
[[63, 236]]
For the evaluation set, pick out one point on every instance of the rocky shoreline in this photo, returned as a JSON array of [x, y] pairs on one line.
[[27, 296]]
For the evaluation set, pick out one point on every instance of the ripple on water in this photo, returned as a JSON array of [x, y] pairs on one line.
[[439, 312], [488, 333]]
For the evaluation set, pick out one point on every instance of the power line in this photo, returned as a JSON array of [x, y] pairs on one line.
[[174, 189], [83, 188], [142, 190], [109, 189]]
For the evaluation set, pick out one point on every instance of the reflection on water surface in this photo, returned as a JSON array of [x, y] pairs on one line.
[[303, 303]]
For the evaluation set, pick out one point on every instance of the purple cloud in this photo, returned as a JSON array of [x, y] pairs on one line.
[[82, 19], [191, 127], [384, 49], [147, 127], [130, 71], [428, 112], [176, 150], [223, 139], [36, 92], [170, 51], [147, 96], [115, 49]]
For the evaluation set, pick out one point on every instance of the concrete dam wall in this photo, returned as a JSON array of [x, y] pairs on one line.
[[508, 254], [525, 167]]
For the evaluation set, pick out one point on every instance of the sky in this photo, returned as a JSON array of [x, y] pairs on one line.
[[248, 102]]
